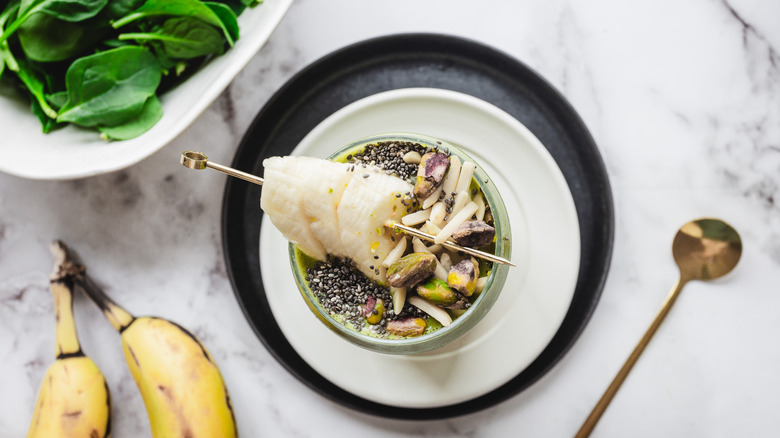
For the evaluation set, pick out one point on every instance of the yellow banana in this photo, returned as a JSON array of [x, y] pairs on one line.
[[182, 388], [74, 400]]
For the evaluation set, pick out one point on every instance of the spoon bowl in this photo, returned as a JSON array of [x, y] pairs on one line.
[[706, 249]]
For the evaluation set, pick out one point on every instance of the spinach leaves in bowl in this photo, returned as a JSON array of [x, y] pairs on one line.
[[101, 64]]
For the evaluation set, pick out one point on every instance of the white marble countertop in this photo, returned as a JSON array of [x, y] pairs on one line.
[[683, 100]]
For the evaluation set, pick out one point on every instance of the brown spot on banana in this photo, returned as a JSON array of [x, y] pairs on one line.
[[135, 359], [186, 430]]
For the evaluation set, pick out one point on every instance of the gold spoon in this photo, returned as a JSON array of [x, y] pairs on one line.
[[704, 249], [199, 161]]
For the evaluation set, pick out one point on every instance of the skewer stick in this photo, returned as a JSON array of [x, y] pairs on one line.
[[199, 161]]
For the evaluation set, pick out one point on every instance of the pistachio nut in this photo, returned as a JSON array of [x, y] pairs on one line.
[[437, 292], [376, 312], [430, 174], [411, 269], [463, 276], [473, 234], [406, 327], [463, 303]]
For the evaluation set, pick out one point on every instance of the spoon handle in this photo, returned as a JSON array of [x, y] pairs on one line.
[[609, 394]]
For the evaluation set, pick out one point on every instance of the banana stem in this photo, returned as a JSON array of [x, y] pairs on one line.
[[61, 285], [67, 338], [69, 273], [119, 318]]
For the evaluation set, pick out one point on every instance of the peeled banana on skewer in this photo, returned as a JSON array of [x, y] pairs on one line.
[[182, 388], [326, 207], [74, 400]]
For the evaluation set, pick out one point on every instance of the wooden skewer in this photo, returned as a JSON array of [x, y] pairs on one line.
[[199, 161]]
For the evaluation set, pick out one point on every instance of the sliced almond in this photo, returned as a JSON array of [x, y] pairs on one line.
[[431, 228], [481, 281], [453, 174], [430, 200], [396, 253], [461, 199], [438, 213], [455, 222], [480, 201], [435, 312], [399, 298], [415, 218], [466, 173], [445, 260]]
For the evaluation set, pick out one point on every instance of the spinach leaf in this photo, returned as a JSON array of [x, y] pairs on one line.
[[183, 38], [68, 10], [6, 57], [45, 38], [237, 6], [57, 100], [111, 87], [148, 117], [175, 8], [114, 43], [47, 124], [226, 16], [114, 88], [34, 83], [119, 8]]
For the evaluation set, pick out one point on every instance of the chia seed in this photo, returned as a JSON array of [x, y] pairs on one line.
[[343, 290], [388, 156]]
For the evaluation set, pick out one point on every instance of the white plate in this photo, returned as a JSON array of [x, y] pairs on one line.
[[74, 152], [538, 292]]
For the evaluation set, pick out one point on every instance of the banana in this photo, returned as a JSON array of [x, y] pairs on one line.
[[74, 400], [182, 388], [326, 207]]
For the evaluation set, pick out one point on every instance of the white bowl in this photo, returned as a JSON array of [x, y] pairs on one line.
[[75, 152]]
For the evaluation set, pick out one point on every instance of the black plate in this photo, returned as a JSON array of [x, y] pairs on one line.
[[403, 61]]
